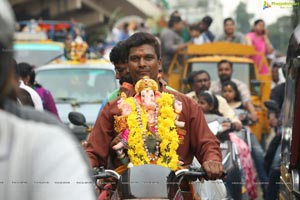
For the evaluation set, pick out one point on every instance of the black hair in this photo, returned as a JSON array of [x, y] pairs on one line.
[[207, 20], [228, 19], [276, 65], [235, 88], [126, 78], [211, 100], [117, 54], [225, 61], [141, 38], [195, 27], [175, 13], [174, 20], [258, 21], [191, 77], [25, 69]]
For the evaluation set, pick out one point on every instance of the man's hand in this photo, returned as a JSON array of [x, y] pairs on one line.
[[252, 113], [214, 169], [253, 117], [237, 126]]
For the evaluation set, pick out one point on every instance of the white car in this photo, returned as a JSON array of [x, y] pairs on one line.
[[78, 87]]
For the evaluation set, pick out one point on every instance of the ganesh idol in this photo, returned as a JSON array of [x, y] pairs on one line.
[[147, 127]]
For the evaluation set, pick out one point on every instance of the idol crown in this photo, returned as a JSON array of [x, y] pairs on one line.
[[146, 83]]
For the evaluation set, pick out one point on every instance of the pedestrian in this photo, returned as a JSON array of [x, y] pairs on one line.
[[171, 42], [204, 25], [258, 38], [46, 96], [230, 34]]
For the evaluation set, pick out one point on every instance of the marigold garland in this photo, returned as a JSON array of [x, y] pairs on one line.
[[166, 130]]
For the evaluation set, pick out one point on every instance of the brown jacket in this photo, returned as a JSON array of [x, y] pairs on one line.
[[196, 137]]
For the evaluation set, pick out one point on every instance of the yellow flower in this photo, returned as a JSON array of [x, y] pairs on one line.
[[166, 131]]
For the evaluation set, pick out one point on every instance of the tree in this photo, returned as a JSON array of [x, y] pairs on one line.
[[243, 18], [296, 14], [279, 33]]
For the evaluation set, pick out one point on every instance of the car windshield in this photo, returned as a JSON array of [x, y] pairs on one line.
[[241, 71], [78, 85], [37, 54]]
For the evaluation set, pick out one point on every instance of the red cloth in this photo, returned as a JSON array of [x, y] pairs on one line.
[[57, 27]]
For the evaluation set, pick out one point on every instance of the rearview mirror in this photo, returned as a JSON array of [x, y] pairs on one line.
[[77, 118]]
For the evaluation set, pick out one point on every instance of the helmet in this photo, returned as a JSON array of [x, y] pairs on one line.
[[7, 23]]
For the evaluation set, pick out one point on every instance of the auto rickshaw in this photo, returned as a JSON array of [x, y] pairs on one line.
[[206, 56], [290, 152]]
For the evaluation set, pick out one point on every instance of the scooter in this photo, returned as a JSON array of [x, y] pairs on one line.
[[221, 127], [144, 181], [149, 182]]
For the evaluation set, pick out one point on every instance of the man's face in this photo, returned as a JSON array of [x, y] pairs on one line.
[[179, 26], [203, 26], [121, 70], [201, 83], [143, 61], [229, 27], [224, 72], [275, 74]]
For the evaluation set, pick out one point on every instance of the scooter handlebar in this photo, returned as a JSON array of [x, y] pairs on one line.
[[192, 173], [101, 173]]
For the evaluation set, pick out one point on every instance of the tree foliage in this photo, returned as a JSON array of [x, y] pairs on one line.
[[243, 18], [296, 15], [279, 33]]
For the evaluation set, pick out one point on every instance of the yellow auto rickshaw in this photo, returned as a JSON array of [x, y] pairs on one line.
[[206, 57]]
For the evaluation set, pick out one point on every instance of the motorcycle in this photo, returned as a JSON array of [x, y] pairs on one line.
[[222, 127], [149, 182], [145, 181]]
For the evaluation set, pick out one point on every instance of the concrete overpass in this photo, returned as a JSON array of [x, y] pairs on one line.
[[89, 12]]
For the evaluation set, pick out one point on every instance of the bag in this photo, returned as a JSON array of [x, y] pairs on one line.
[[209, 190]]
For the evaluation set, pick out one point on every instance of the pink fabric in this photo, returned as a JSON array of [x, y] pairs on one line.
[[260, 45], [125, 135], [246, 161]]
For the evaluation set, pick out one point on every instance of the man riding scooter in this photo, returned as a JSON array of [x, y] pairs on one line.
[[144, 59]]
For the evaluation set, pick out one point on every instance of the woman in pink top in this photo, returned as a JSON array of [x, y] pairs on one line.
[[259, 39]]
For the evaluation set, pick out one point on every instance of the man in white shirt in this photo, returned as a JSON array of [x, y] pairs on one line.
[[24, 70], [200, 81], [225, 74], [276, 78]]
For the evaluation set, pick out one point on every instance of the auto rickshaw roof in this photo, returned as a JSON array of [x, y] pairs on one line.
[[233, 59], [221, 48]]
